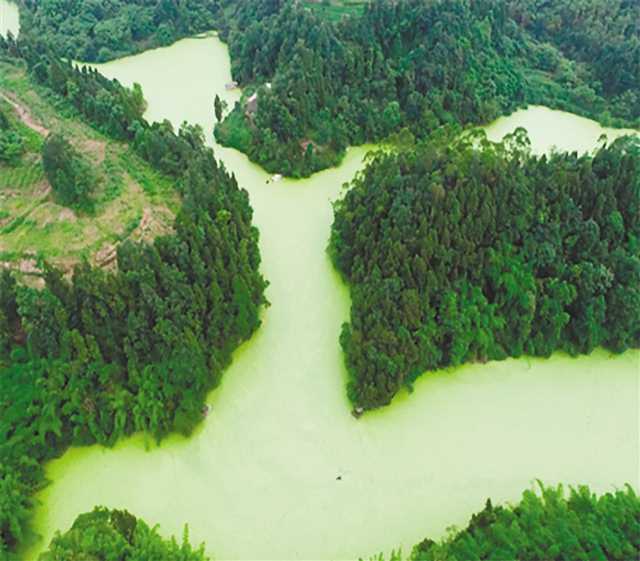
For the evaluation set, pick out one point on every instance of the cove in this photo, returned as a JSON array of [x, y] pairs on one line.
[[9, 18], [258, 479]]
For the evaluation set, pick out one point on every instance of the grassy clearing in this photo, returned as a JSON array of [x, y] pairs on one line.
[[132, 200], [335, 10]]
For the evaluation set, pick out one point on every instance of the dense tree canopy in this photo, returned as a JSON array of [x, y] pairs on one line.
[[419, 64], [602, 37], [549, 526], [11, 141], [108, 353], [109, 107], [69, 174], [107, 535], [460, 251], [94, 31]]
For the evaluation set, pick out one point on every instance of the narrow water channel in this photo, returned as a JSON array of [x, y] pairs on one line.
[[259, 478]]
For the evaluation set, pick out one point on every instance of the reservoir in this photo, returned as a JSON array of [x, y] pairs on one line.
[[258, 480]]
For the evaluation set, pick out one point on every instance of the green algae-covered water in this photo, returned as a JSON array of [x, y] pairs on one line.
[[259, 478], [9, 18], [554, 130]]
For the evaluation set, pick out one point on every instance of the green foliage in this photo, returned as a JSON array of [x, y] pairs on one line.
[[104, 103], [105, 354], [11, 142], [547, 525], [96, 32], [105, 535], [419, 65], [11, 147], [109, 354], [234, 131], [462, 250], [165, 150], [218, 107], [602, 37], [336, 10], [70, 175], [111, 108]]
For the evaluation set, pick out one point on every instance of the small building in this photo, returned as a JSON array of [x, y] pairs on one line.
[[231, 86]]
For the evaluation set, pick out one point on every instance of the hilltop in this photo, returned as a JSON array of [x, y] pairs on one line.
[[132, 201]]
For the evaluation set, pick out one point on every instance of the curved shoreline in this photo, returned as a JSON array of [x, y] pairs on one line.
[[258, 479]]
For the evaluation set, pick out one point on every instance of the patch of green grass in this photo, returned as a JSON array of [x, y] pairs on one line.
[[335, 10], [130, 226], [10, 256], [22, 176], [51, 241], [17, 223], [114, 181], [152, 182]]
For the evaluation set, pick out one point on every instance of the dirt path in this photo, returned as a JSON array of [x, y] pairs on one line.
[[25, 115]]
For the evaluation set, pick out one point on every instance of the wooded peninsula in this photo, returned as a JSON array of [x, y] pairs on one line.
[[464, 250], [106, 354], [323, 85]]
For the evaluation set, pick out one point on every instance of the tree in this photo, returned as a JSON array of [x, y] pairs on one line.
[[218, 108], [69, 174]]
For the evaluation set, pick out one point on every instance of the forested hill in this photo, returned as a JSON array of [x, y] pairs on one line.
[[103, 354], [419, 64], [551, 525], [465, 251], [603, 35], [97, 31], [382, 67], [105, 535]]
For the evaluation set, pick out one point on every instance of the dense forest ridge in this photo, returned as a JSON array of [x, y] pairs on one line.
[[100, 31], [461, 250], [320, 76], [103, 354], [545, 525], [315, 86]]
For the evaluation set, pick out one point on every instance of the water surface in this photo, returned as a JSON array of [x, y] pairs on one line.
[[9, 18], [259, 479], [554, 130]]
